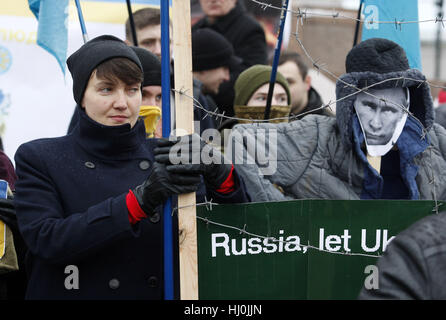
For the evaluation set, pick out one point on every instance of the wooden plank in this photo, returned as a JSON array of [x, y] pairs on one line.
[[184, 113], [375, 162]]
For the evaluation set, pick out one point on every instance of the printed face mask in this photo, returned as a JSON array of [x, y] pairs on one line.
[[382, 115]]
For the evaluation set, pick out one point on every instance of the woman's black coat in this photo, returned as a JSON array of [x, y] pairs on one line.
[[71, 209]]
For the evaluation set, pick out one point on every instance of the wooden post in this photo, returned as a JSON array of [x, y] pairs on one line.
[[375, 162], [184, 114]]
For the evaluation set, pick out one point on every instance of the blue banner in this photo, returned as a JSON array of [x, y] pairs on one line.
[[394, 13], [52, 32]]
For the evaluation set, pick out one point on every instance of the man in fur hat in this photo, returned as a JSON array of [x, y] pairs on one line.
[[383, 143]]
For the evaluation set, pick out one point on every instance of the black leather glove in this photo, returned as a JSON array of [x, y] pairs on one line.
[[192, 154], [161, 184]]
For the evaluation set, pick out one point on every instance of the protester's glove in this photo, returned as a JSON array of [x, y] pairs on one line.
[[161, 184], [191, 153]]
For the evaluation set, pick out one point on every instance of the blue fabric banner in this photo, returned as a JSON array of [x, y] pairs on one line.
[[52, 32], [392, 12]]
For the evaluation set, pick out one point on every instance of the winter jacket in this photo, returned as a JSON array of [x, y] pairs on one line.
[[414, 264], [205, 103], [323, 157], [248, 40], [314, 104], [71, 210]]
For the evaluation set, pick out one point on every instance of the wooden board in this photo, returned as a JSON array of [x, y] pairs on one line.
[[184, 112], [375, 162]]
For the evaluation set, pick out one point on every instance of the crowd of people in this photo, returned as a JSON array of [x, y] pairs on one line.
[[94, 198]]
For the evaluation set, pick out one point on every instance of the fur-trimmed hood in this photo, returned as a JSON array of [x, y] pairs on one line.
[[421, 104]]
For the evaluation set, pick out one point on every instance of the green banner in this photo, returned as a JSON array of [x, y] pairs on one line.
[[302, 249]]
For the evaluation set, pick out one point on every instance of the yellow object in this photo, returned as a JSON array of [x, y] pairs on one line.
[[8, 256], [2, 238], [151, 116], [375, 162]]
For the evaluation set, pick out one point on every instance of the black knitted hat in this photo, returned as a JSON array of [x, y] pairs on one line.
[[376, 55], [211, 50], [96, 51], [151, 66]]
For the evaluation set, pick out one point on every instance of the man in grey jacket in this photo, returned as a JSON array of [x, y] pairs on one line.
[[326, 158]]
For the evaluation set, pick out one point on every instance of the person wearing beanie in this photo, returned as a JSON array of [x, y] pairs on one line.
[[383, 143], [151, 91], [251, 92], [89, 204], [245, 34], [150, 110], [212, 59]]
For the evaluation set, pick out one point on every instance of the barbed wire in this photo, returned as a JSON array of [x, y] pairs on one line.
[[209, 205], [221, 116], [303, 14], [319, 67]]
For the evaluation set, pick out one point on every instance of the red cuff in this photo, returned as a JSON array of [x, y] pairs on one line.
[[229, 185], [135, 211]]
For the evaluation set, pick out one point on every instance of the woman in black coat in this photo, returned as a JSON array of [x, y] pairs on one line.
[[89, 203]]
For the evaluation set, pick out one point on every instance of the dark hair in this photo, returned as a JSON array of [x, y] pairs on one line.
[[297, 59], [120, 68], [143, 18]]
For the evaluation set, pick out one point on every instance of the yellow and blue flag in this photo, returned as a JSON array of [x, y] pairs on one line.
[[52, 32]]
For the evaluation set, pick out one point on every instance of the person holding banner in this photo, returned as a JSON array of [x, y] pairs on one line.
[[88, 203], [383, 143]]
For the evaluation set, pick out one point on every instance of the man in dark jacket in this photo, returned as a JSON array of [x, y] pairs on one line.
[[414, 264], [304, 98], [212, 60], [229, 18]]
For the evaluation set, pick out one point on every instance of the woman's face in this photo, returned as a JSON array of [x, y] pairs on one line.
[[258, 99], [112, 103]]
